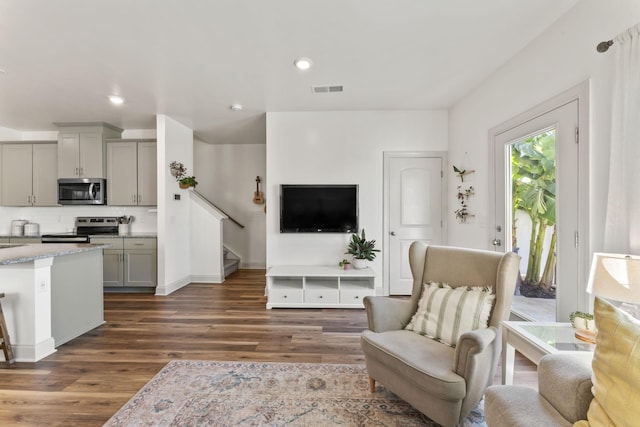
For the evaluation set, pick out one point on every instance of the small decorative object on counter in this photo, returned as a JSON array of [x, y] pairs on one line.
[[345, 264], [363, 250], [585, 326], [17, 227], [31, 229], [124, 225]]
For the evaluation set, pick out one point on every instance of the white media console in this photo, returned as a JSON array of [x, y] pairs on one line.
[[318, 287]]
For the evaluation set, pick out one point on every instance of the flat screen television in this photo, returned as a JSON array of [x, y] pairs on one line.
[[318, 208]]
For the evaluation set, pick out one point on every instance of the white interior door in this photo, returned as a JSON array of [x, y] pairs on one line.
[[562, 120], [414, 211]]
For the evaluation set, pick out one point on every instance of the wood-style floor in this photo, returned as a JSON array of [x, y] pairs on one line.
[[88, 379]]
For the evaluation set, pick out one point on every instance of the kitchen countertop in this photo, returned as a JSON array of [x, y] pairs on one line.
[[141, 234], [17, 254]]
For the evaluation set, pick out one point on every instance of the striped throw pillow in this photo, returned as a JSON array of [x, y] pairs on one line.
[[444, 313]]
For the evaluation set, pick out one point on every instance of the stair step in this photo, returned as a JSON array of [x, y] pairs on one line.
[[230, 265]]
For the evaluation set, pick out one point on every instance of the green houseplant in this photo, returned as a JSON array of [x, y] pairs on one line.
[[179, 171], [345, 264], [188, 181], [361, 249]]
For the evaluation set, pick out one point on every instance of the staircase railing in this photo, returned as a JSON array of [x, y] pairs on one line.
[[229, 217]]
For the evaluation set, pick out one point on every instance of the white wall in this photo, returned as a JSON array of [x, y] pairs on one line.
[[226, 176], [561, 58], [339, 148], [175, 143], [207, 264]]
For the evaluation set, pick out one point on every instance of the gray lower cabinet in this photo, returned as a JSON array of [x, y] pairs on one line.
[[24, 240], [131, 262]]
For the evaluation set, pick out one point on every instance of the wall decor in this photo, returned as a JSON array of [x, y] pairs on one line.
[[179, 171], [464, 193]]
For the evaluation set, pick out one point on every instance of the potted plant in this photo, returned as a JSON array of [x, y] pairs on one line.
[[361, 249], [178, 170], [345, 264], [188, 181]]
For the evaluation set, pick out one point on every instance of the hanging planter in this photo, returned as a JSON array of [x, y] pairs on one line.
[[187, 181], [178, 171]]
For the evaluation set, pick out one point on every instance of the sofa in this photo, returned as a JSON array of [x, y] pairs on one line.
[[562, 398], [602, 389]]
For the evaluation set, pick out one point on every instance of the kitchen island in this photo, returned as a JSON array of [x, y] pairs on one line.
[[53, 293]]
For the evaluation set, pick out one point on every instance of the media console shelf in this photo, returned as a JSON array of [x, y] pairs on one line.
[[308, 286]]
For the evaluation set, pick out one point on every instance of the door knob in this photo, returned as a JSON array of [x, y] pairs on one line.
[[393, 233], [497, 242]]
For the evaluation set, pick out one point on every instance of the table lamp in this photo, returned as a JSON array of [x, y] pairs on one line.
[[616, 277]]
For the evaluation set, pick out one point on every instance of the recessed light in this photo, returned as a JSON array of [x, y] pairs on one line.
[[115, 99], [3, 71], [236, 107], [302, 63]]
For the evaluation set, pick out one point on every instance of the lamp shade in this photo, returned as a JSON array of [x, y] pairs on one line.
[[615, 277]]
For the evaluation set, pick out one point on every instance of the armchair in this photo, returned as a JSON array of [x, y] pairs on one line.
[[443, 382], [562, 398]]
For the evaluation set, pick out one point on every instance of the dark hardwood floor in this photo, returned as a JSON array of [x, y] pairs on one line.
[[88, 379]]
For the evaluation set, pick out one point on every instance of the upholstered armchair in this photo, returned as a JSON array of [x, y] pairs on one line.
[[443, 382], [562, 398]]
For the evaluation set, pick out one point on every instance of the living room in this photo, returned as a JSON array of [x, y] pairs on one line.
[[333, 145]]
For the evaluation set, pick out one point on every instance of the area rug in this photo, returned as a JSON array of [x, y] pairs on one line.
[[207, 393]]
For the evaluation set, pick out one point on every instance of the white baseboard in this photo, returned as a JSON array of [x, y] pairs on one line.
[[172, 287], [33, 353], [207, 278], [252, 265]]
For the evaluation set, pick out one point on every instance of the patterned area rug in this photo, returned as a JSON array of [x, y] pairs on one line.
[[207, 393]]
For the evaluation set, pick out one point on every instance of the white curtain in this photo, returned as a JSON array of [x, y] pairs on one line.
[[622, 230]]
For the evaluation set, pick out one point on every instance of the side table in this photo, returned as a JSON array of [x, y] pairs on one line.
[[536, 339]]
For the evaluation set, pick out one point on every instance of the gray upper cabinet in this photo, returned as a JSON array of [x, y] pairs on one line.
[[81, 149], [29, 174], [80, 155], [131, 173]]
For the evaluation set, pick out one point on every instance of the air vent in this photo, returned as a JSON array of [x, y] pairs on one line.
[[327, 89]]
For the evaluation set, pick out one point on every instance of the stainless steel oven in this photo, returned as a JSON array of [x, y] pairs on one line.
[[82, 191], [85, 227]]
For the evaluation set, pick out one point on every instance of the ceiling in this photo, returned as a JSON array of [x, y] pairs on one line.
[[192, 59]]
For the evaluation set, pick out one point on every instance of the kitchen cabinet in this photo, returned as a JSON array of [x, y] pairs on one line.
[[140, 262], [81, 149], [131, 173], [112, 259], [129, 263], [24, 240], [29, 174]]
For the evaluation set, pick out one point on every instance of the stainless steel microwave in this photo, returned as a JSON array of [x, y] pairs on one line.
[[82, 191]]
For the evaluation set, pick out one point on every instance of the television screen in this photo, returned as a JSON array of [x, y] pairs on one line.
[[318, 208]]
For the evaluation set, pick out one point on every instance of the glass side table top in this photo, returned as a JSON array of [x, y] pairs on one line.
[[556, 336]]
